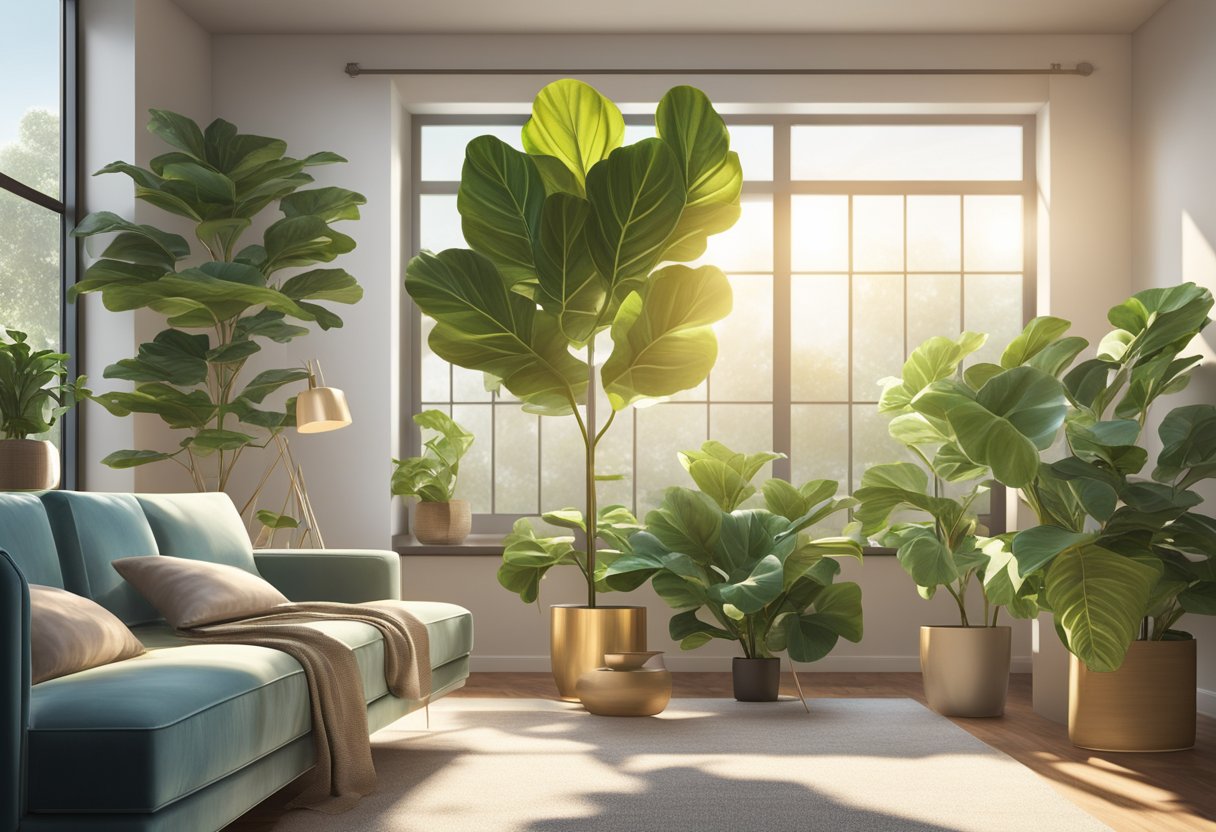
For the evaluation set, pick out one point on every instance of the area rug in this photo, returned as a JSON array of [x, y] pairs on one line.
[[705, 765]]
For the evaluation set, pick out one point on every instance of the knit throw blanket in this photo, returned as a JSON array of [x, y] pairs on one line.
[[344, 772]]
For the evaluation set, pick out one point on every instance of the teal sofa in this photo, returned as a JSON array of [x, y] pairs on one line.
[[188, 736]]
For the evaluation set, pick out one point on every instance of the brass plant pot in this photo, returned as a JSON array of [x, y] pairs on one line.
[[965, 669], [626, 688], [756, 680], [28, 465], [580, 636], [442, 524], [1148, 704]]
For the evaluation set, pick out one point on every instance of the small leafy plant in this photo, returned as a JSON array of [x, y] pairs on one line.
[[757, 573], [34, 390], [432, 477]]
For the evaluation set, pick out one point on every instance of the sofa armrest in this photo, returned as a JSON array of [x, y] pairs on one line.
[[14, 689], [347, 575]]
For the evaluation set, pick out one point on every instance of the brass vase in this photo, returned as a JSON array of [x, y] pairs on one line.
[[28, 465], [632, 684], [581, 635], [442, 524], [965, 669], [1148, 704]]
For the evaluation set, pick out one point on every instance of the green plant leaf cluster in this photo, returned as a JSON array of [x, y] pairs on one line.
[[966, 425], [34, 388], [220, 311], [578, 236], [1116, 547], [758, 577], [432, 477]]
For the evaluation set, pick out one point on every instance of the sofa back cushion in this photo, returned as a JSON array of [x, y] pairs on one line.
[[25, 533], [203, 527], [92, 530]]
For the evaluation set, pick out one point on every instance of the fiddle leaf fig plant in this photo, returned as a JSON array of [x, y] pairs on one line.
[[219, 311], [34, 388], [576, 236], [432, 477], [756, 573], [966, 427], [1122, 553]]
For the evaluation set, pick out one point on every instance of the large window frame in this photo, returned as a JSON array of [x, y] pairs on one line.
[[781, 189], [66, 207]]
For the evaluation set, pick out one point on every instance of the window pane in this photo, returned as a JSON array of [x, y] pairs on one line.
[[516, 485], [29, 270], [819, 446], [819, 232], [934, 234], [636, 132], [754, 144], [29, 106], [872, 443], [748, 245], [992, 233], [439, 223], [563, 465], [878, 332], [934, 307], [443, 147], [909, 152], [992, 304], [614, 455], [663, 431], [819, 331], [436, 383], [744, 370], [474, 483], [878, 233]]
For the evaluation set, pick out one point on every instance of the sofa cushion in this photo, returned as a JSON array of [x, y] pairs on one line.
[[141, 734], [92, 530], [25, 533], [69, 633], [193, 593], [199, 526]]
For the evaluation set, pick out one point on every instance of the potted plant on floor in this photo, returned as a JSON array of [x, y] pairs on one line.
[[566, 242], [34, 393], [1125, 555], [962, 426], [757, 573], [439, 519]]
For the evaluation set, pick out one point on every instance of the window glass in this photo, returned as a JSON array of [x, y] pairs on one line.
[[29, 106], [906, 152]]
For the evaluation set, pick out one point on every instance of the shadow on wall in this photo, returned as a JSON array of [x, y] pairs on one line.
[[1199, 266]]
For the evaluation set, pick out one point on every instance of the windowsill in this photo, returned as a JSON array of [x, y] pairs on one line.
[[481, 545]]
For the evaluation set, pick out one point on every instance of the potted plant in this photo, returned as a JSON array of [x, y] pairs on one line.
[[962, 426], [220, 312], [567, 241], [439, 519], [1125, 555], [34, 393], [756, 572]]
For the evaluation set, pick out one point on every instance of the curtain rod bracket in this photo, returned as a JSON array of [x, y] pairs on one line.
[[1083, 69]]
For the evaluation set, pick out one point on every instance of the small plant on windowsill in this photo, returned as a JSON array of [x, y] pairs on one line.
[[439, 518], [34, 393]]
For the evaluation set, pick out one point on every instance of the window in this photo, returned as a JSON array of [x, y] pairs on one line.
[[37, 173], [859, 238]]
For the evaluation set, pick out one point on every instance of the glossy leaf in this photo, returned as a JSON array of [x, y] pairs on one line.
[[573, 123], [500, 201]]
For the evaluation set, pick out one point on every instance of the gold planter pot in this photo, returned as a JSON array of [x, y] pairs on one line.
[[28, 465], [965, 669], [1148, 704], [442, 524], [580, 636], [626, 687]]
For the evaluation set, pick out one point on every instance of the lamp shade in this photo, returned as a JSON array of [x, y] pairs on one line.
[[320, 409]]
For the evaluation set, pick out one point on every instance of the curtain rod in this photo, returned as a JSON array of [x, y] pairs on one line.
[[1083, 69]]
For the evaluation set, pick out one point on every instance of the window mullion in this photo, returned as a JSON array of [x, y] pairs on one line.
[[783, 312]]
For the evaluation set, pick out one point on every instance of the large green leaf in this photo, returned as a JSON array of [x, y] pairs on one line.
[[302, 241], [133, 459], [526, 558], [179, 131], [636, 196], [500, 201], [178, 409], [662, 335], [193, 290], [330, 204], [569, 287], [267, 381], [891, 485], [926, 559], [1099, 599], [691, 632], [172, 356], [482, 325], [335, 285], [164, 248], [573, 123], [1038, 546], [686, 521], [1039, 334], [837, 613], [756, 590], [1165, 317], [688, 123], [724, 475], [748, 537]]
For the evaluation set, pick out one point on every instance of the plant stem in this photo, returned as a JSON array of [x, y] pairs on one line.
[[958, 599], [589, 517]]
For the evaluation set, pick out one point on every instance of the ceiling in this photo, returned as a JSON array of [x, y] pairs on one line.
[[671, 16]]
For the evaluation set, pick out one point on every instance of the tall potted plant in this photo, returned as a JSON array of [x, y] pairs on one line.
[[965, 426], [439, 518], [757, 573], [218, 312], [1125, 555], [567, 240], [34, 393]]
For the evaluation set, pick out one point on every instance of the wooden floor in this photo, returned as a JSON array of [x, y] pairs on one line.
[[1128, 792]]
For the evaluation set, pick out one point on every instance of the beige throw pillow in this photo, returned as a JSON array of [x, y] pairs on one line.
[[70, 633], [191, 593]]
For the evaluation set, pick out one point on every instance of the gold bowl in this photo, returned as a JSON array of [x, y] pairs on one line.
[[629, 660]]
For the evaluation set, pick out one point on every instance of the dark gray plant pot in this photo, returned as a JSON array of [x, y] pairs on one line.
[[756, 680]]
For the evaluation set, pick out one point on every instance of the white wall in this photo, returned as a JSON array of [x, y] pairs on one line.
[[1174, 210]]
